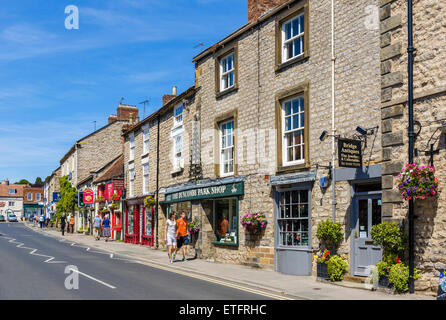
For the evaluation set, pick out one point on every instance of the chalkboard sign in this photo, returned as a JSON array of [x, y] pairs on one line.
[[350, 153], [441, 295]]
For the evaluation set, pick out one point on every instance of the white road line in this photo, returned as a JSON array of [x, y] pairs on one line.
[[94, 279]]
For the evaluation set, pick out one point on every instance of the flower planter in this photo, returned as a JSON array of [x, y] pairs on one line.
[[383, 282], [322, 271]]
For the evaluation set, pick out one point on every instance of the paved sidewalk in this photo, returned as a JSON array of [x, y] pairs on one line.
[[296, 287]]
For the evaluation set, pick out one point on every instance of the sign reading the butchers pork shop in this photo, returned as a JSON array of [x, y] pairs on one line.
[[349, 153]]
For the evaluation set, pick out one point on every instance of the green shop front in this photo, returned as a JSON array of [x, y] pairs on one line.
[[214, 205], [31, 209]]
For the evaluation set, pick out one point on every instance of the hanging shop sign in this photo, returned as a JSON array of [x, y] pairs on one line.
[[349, 153], [56, 197], [88, 196], [218, 191], [109, 191], [118, 184]]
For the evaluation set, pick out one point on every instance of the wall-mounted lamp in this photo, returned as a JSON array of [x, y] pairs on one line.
[[325, 134], [364, 132]]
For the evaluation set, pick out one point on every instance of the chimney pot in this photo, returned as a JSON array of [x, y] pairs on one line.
[[174, 91]]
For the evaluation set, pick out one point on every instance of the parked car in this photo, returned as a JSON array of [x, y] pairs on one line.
[[2, 218], [12, 218]]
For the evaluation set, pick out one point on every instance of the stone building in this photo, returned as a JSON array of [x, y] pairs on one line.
[[267, 87], [52, 192], [149, 160], [94, 151], [429, 83]]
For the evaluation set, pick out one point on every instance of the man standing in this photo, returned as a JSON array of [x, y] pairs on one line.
[[182, 237], [62, 223], [97, 227], [41, 220]]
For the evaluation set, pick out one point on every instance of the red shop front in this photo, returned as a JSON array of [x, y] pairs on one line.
[[139, 225]]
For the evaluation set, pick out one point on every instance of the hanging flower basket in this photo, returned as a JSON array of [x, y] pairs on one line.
[[193, 227], [149, 202], [417, 182], [254, 222]]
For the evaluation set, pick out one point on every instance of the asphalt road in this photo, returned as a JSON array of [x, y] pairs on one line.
[[33, 266]]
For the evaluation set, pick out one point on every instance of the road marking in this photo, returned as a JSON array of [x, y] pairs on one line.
[[94, 279], [33, 251]]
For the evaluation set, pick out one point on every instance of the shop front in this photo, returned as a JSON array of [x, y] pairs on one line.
[[214, 205], [292, 216], [31, 209], [139, 223]]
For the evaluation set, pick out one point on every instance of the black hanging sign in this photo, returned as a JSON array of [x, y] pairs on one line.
[[441, 295], [349, 153]]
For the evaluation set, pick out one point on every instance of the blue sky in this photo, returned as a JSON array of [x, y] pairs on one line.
[[55, 82]]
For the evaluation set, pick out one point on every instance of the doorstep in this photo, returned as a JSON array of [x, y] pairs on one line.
[[348, 283]]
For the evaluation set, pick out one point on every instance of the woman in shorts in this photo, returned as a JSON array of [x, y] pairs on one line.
[[170, 231]]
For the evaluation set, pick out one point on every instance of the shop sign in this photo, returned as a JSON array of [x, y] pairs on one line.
[[226, 190], [88, 196], [2, 204], [56, 197], [349, 153], [118, 184], [109, 191]]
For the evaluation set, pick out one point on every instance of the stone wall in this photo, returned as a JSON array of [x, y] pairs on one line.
[[429, 111]]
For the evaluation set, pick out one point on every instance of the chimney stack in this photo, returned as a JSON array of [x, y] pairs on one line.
[[112, 118], [5, 182], [124, 112], [258, 7], [168, 97]]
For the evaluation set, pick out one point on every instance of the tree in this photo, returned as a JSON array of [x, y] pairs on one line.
[[23, 181], [38, 180], [47, 179], [67, 203]]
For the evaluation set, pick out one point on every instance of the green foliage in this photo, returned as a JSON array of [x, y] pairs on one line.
[[399, 277], [23, 181], [38, 180], [336, 267], [47, 179], [383, 269], [390, 237], [67, 203], [329, 232]]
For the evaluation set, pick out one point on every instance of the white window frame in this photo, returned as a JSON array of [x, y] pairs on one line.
[[223, 149], [146, 141], [177, 155], [14, 191], [285, 132], [131, 182], [28, 196], [293, 38], [38, 196], [178, 118], [227, 73], [11, 204], [145, 177], [132, 147]]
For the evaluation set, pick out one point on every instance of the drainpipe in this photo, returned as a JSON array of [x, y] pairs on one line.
[[157, 177], [333, 127], [410, 50]]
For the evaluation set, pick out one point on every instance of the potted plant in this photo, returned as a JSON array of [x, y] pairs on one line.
[[329, 234], [417, 182], [114, 206], [336, 267], [322, 260], [392, 272], [254, 223]]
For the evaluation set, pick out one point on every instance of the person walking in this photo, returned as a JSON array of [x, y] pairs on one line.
[[41, 221], [182, 236], [62, 223], [106, 224], [97, 226], [170, 231], [71, 223]]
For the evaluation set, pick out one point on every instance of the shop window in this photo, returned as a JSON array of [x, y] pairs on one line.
[[178, 207], [225, 221], [130, 221], [294, 218]]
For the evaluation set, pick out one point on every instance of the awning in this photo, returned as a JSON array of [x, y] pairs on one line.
[[293, 178]]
